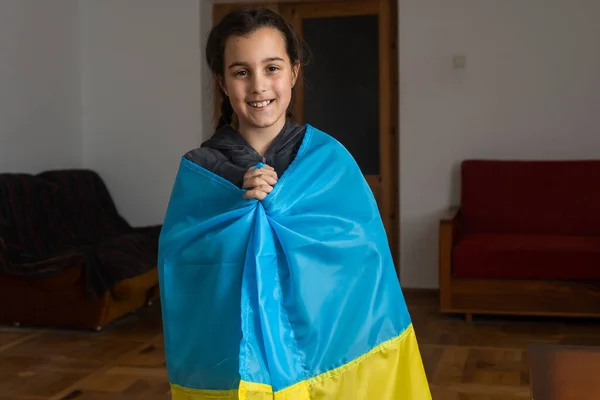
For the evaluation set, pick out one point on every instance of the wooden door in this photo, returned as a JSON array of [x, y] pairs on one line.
[[350, 89]]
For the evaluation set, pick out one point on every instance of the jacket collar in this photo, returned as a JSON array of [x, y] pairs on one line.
[[227, 138]]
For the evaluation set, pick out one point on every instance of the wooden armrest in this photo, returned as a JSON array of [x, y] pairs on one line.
[[448, 232], [451, 215], [138, 284]]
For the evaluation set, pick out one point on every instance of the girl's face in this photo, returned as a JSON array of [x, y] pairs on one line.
[[258, 80]]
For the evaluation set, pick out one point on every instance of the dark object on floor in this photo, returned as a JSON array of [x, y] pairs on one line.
[[67, 258]]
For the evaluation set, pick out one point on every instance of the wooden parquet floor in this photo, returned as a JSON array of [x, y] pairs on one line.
[[485, 360]]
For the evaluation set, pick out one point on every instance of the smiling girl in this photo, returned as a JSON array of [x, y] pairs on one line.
[[255, 56], [276, 277]]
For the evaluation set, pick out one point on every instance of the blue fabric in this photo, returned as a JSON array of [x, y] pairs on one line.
[[279, 290]]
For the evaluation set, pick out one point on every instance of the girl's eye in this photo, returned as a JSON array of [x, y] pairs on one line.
[[273, 68], [241, 73]]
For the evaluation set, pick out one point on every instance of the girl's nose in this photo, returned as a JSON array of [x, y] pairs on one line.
[[259, 84]]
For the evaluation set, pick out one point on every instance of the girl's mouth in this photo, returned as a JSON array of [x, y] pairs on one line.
[[259, 104]]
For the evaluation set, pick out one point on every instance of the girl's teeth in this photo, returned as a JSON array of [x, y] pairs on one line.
[[261, 104]]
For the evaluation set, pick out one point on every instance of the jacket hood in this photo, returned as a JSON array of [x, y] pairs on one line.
[[227, 138]]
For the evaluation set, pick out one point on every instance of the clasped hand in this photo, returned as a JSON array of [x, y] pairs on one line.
[[259, 182]]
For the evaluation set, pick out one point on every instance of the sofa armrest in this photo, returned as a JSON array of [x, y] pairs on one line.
[[139, 284], [451, 215], [448, 234], [63, 281], [53, 274]]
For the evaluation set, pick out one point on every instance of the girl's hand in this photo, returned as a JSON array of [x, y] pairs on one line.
[[259, 182]]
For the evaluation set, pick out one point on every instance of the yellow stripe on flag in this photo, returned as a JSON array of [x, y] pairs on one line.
[[392, 370]]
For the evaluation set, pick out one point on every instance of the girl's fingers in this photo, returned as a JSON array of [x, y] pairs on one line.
[[258, 193], [272, 173], [266, 167], [255, 178], [267, 172], [269, 180], [259, 181]]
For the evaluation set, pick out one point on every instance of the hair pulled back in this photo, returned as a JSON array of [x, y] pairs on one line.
[[242, 22]]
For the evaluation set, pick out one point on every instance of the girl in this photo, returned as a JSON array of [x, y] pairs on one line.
[[275, 272], [255, 57]]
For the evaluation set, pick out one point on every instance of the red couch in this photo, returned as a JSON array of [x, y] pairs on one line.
[[525, 239]]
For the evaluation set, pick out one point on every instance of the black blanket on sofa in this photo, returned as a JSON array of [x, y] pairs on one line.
[[60, 219]]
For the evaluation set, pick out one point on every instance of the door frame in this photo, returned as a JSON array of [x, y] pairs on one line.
[[388, 184]]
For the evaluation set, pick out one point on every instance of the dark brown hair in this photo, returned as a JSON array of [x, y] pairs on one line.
[[242, 22]]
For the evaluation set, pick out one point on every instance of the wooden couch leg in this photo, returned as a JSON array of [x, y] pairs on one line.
[[469, 317]]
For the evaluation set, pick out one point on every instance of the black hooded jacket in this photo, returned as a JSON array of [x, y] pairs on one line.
[[229, 155]]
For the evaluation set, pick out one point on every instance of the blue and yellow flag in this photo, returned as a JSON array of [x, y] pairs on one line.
[[293, 297]]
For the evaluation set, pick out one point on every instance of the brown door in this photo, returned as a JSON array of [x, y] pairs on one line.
[[350, 88]]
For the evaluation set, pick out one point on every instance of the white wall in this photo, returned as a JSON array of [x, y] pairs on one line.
[[530, 91], [39, 86], [142, 83]]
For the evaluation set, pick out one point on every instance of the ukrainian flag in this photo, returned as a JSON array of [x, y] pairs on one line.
[[294, 297]]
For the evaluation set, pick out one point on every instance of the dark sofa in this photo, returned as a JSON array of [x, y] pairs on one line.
[[67, 258]]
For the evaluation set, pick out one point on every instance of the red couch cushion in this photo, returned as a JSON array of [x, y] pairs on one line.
[[527, 257], [531, 197]]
